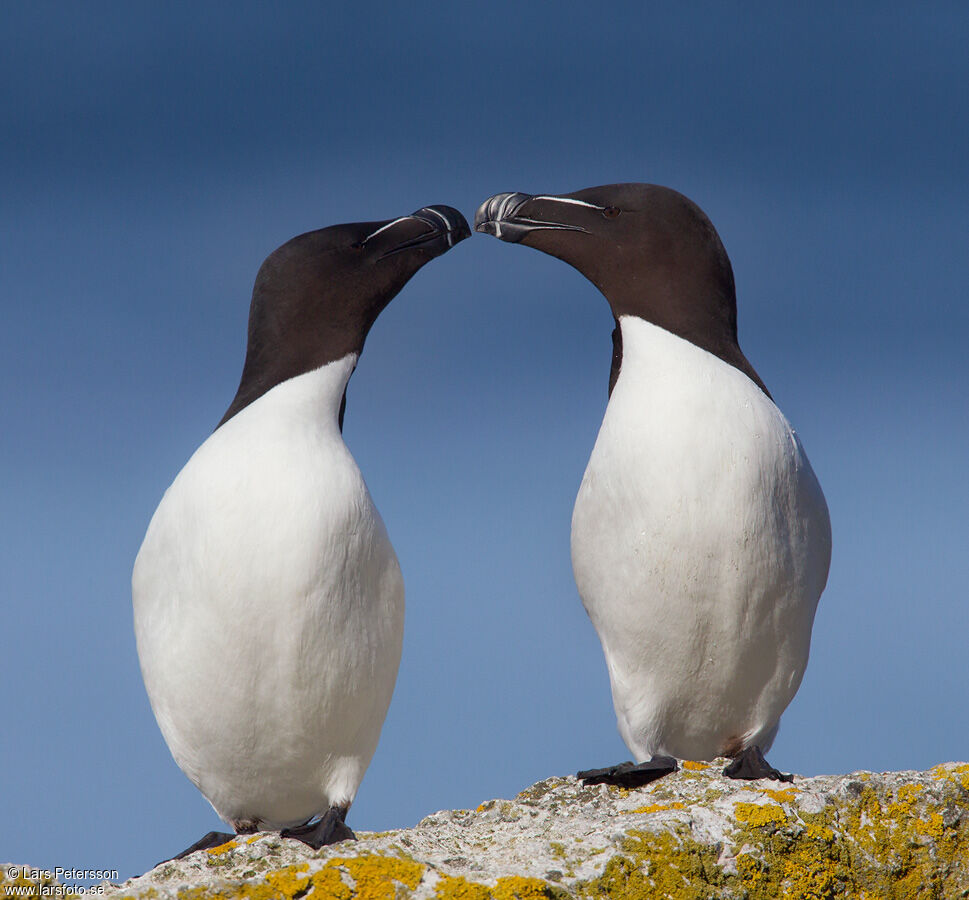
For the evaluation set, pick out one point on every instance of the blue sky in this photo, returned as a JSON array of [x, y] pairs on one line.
[[153, 156]]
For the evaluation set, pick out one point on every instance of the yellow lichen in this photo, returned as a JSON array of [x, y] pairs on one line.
[[224, 848], [450, 887], [818, 832], [517, 888], [370, 877], [511, 888], [751, 871], [958, 774], [871, 840], [933, 828], [656, 865], [374, 876], [786, 796], [328, 882], [657, 807], [758, 815], [864, 845], [288, 882], [693, 766]]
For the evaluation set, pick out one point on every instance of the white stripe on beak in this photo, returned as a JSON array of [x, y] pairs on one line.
[[447, 225], [384, 228]]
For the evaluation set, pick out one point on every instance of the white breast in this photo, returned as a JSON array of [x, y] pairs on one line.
[[700, 546], [269, 610]]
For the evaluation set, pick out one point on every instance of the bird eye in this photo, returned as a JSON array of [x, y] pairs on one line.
[[357, 246], [611, 212]]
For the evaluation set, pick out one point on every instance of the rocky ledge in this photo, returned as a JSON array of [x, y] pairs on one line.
[[694, 834]]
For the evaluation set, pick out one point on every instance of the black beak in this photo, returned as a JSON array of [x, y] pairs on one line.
[[446, 219], [441, 228], [502, 217]]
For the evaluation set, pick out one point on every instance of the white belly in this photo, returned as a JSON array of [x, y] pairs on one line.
[[700, 546], [269, 610]]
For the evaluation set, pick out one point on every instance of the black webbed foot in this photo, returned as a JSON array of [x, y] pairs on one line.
[[212, 839], [750, 765], [330, 829], [630, 775]]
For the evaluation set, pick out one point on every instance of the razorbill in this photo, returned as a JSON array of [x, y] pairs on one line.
[[700, 536], [268, 602]]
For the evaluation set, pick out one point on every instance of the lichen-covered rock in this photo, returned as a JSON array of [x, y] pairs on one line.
[[694, 834]]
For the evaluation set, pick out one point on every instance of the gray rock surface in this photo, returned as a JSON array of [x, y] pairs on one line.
[[694, 834]]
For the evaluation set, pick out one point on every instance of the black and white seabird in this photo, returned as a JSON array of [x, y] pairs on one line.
[[268, 602], [700, 536]]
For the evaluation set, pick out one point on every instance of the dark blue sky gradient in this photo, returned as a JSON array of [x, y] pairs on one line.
[[152, 157]]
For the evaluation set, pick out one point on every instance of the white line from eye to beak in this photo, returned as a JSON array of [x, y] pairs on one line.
[[568, 200]]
